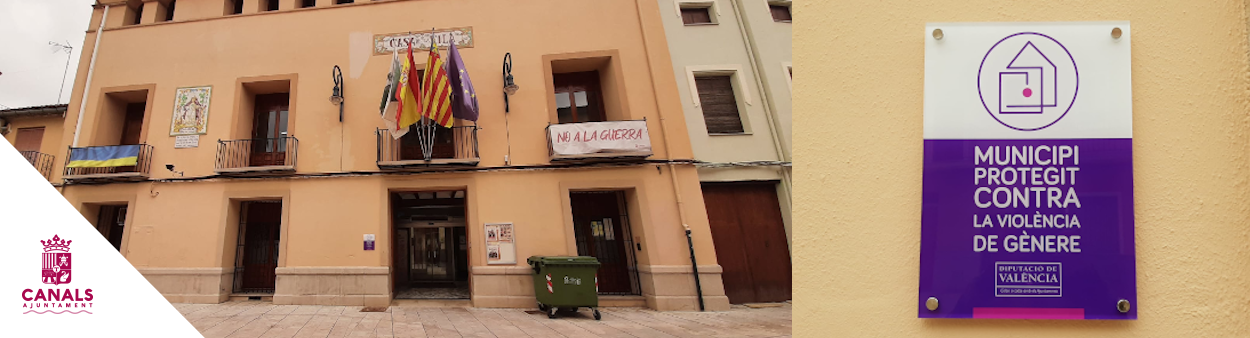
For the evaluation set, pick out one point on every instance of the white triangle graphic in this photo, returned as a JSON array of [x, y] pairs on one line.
[[122, 302]]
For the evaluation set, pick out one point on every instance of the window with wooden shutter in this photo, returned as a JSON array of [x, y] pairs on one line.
[[696, 16], [781, 13], [29, 139], [720, 107]]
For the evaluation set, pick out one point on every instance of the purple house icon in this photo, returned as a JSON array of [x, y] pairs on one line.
[[1029, 84]]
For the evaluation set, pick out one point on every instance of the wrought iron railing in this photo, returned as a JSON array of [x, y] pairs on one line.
[[257, 152], [428, 143], [41, 162], [142, 166]]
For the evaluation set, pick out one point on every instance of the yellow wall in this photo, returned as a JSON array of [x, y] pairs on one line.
[[859, 159]]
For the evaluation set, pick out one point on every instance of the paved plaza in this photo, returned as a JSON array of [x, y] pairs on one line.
[[263, 319]]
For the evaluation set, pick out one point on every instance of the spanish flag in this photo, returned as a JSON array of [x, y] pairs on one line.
[[436, 90], [100, 157], [408, 112]]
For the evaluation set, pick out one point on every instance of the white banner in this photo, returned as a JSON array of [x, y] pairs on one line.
[[600, 137]]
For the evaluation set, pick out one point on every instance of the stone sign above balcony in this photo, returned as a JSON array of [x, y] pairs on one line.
[[384, 44]]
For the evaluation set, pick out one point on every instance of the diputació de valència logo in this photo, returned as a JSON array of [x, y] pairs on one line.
[[53, 298], [1028, 81]]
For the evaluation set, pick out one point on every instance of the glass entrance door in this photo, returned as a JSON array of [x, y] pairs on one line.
[[431, 255]]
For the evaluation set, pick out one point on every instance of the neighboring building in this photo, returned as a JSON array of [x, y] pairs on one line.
[[281, 196], [732, 65], [36, 133]]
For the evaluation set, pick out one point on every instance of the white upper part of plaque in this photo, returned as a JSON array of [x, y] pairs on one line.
[[1028, 81]]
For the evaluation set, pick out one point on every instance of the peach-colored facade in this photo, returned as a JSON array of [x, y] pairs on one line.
[[182, 229]]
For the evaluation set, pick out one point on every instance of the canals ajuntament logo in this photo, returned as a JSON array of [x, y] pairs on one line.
[[57, 264]]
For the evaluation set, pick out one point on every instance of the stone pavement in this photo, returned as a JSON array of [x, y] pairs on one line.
[[263, 319]]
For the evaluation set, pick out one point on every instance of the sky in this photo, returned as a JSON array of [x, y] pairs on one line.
[[30, 71]]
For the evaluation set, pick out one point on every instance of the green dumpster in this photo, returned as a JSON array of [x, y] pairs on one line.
[[566, 283]]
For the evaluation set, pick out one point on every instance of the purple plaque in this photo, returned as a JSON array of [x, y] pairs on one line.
[[1027, 240], [1027, 205]]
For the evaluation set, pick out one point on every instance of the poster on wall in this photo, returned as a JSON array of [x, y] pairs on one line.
[[1027, 206], [500, 244], [190, 116]]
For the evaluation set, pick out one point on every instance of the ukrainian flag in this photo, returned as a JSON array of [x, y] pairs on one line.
[[107, 156]]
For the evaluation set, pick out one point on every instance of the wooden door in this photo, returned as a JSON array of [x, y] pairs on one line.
[[269, 130], [112, 224], [132, 127], [402, 265], [600, 225], [29, 139], [750, 239], [261, 225]]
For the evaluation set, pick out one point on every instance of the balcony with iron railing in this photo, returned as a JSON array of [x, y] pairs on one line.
[[607, 141], [98, 173], [258, 156], [428, 147], [42, 162]]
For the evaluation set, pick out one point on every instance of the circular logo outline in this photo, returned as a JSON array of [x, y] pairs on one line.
[[1075, 91]]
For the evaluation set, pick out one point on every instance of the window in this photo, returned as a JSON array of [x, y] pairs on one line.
[[271, 5], [138, 15], [169, 12], [234, 7], [781, 12], [29, 139], [720, 107], [307, 3], [578, 97], [696, 15]]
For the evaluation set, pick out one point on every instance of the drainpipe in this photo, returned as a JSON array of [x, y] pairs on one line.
[[770, 109], [698, 288], [86, 88], [668, 151]]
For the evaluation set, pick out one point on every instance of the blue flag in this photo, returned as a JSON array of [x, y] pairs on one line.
[[107, 156], [463, 98]]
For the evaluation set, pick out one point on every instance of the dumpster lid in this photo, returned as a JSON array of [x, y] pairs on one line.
[[564, 260]]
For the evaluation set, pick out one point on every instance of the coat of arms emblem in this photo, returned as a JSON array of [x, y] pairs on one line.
[[56, 261]]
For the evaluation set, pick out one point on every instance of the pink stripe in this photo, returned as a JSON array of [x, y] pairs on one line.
[[1027, 313]]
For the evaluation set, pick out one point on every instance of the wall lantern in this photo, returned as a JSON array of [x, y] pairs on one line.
[[337, 96], [509, 86]]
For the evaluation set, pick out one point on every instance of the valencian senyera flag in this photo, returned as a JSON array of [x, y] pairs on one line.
[[107, 156], [464, 98], [436, 90], [408, 111]]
